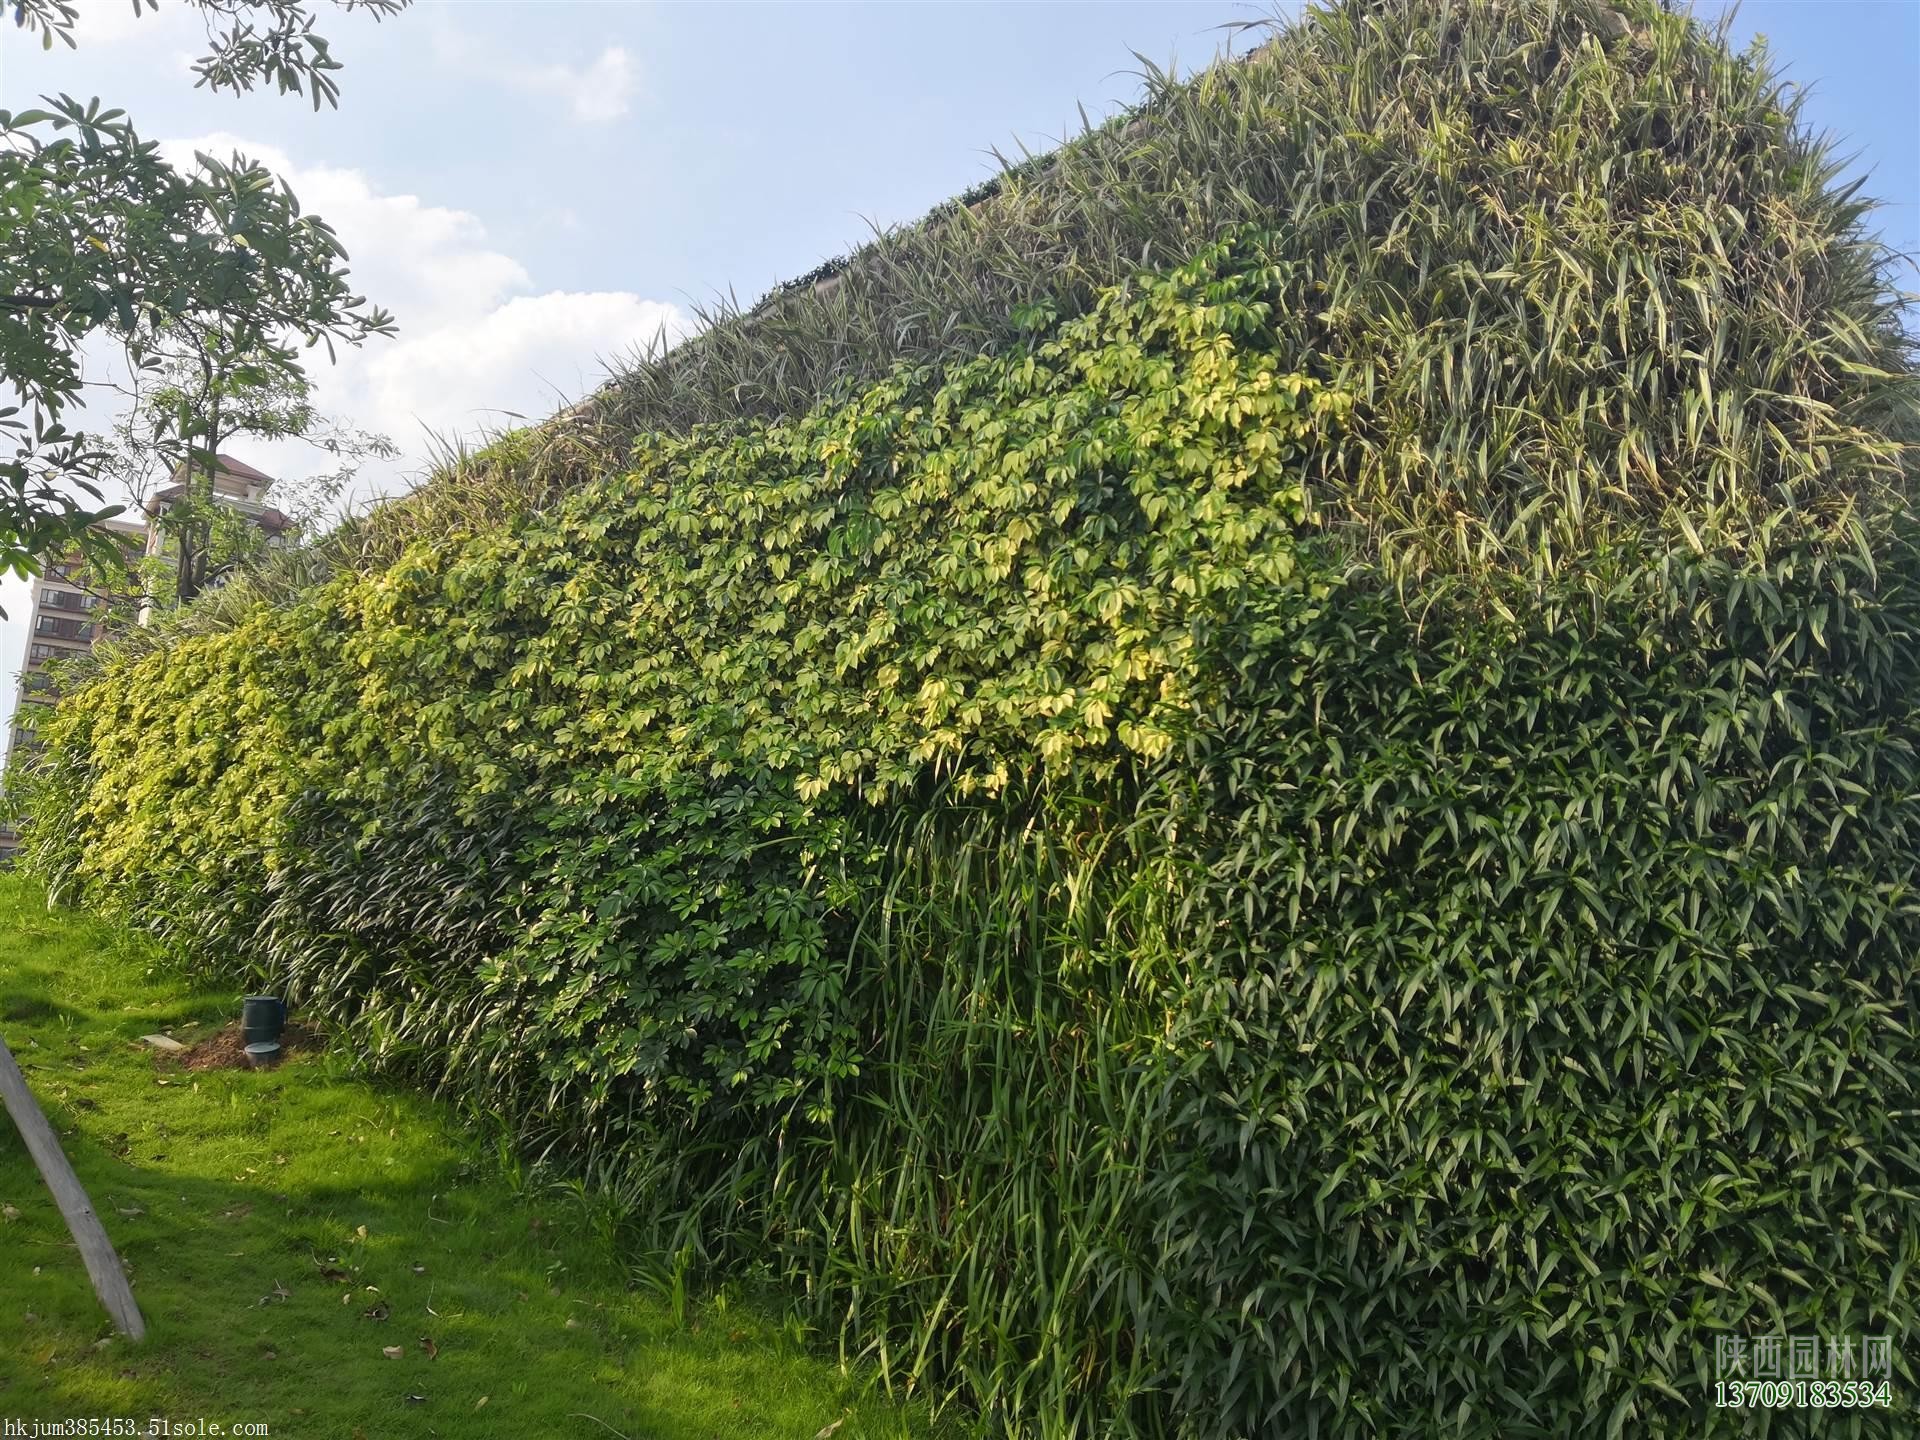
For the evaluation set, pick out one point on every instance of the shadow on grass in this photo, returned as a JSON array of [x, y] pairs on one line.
[[286, 1229]]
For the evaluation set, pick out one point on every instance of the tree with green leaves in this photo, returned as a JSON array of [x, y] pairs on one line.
[[101, 238], [201, 387]]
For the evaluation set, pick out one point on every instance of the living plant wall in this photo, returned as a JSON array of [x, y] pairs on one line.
[[1311, 828]]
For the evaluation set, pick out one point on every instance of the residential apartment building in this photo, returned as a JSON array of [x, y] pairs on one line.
[[237, 487], [67, 617]]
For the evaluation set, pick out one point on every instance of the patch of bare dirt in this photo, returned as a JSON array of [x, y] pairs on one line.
[[228, 1049]]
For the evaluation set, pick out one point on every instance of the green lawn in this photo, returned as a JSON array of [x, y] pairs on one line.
[[270, 1220]]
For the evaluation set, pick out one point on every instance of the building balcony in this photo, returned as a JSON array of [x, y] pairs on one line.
[[59, 627], [70, 600]]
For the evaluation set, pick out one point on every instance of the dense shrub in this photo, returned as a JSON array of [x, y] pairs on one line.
[[1320, 840], [1553, 1004], [1572, 254], [671, 690]]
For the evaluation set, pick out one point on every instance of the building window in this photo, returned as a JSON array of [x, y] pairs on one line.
[[62, 629]]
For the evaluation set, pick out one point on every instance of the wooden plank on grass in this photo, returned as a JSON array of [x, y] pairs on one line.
[[103, 1266]]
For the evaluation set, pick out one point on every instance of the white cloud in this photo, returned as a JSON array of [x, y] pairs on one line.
[[473, 343], [603, 91], [597, 93], [525, 357], [426, 263]]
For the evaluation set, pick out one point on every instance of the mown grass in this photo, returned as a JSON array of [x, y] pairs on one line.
[[232, 1194]]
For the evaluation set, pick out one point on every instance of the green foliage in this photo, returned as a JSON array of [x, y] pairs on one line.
[[197, 395], [1473, 1022], [250, 41], [1320, 839], [679, 682], [100, 237], [1555, 1009], [1579, 261]]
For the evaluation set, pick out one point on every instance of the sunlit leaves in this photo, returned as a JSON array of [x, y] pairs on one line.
[[1323, 842], [677, 689]]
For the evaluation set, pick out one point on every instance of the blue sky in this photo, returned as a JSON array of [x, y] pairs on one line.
[[533, 187]]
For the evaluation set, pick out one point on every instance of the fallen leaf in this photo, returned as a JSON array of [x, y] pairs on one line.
[[377, 1311], [416, 1399], [572, 1324], [481, 1401], [418, 1268], [9, 1214], [360, 1232], [827, 1430], [426, 1344], [392, 1352], [130, 1210]]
